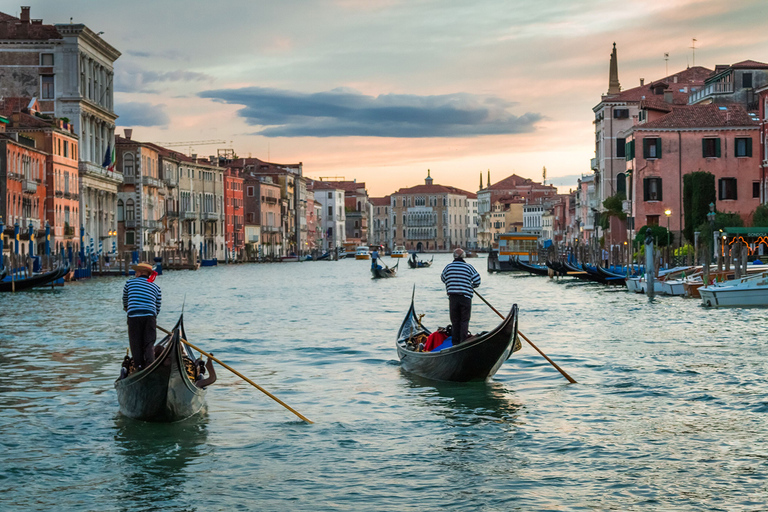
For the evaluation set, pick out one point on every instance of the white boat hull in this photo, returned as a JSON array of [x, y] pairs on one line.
[[725, 298]]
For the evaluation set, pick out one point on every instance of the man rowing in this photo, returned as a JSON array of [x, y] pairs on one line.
[[141, 300], [460, 280]]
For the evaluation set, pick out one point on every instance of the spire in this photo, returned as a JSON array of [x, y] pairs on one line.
[[613, 80], [428, 181], [488, 183], [481, 181]]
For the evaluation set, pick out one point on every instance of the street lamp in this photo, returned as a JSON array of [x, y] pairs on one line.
[[668, 213]]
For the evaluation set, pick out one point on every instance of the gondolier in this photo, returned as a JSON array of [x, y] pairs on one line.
[[141, 299], [460, 280]]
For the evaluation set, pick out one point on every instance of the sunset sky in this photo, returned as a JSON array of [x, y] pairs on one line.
[[382, 90]]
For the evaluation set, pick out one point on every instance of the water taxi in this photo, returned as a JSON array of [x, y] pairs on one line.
[[361, 253], [399, 252]]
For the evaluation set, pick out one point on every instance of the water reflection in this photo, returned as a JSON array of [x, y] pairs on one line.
[[157, 459]]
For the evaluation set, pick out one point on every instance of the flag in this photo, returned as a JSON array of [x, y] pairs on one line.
[[107, 158], [114, 159]]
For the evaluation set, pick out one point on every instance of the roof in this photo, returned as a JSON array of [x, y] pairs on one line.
[[262, 167], [691, 77], [749, 64], [515, 181], [702, 116], [322, 185], [12, 28], [436, 189], [380, 201]]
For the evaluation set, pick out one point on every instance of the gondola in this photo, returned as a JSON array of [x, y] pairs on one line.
[[163, 391], [381, 273], [26, 283], [420, 263], [476, 359], [539, 270], [612, 277]]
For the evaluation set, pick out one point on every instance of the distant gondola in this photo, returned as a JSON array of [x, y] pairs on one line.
[[26, 283], [380, 273], [163, 391], [420, 263], [475, 359], [539, 270]]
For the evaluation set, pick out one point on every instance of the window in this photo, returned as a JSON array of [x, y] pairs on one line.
[[621, 184], [651, 147], [755, 189], [727, 188], [743, 146], [46, 59], [120, 211], [651, 220], [129, 210], [746, 80], [710, 148], [128, 164], [629, 150], [652, 189], [621, 113], [621, 146], [250, 191], [330, 212], [46, 87]]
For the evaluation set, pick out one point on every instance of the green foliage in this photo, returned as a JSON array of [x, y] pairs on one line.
[[684, 250], [613, 208], [760, 216], [65, 119], [660, 236], [722, 221], [698, 193]]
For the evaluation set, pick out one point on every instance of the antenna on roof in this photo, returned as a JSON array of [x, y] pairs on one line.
[[693, 48], [666, 63]]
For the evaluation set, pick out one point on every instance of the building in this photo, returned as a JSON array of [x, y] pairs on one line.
[[234, 222], [763, 121], [263, 205], [673, 141], [733, 84], [57, 140], [332, 199], [586, 213], [430, 217], [70, 69], [619, 110], [380, 233]]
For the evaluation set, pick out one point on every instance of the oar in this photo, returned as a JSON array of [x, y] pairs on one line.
[[246, 379], [530, 342]]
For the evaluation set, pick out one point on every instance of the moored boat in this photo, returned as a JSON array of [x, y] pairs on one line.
[[164, 390], [10, 284], [476, 359], [399, 252], [361, 253], [750, 291]]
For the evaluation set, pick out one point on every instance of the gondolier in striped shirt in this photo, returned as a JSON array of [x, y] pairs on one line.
[[460, 279], [141, 299]]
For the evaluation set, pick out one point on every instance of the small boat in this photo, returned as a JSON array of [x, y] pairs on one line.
[[380, 273], [289, 259], [163, 391], [9, 284], [750, 291], [361, 253], [420, 263], [476, 359], [212, 262], [325, 256], [399, 252], [470, 254]]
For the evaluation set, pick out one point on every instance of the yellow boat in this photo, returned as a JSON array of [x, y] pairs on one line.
[[399, 252], [361, 253]]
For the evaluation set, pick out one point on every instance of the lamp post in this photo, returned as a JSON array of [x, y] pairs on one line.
[[668, 213], [711, 219]]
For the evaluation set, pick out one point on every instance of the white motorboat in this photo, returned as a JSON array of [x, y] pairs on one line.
[[750, 291]]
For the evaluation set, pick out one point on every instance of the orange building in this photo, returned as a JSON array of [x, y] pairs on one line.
[[234, 227]]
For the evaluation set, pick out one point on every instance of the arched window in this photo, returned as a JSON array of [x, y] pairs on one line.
[[128, 164], [621, 184], [129, 212], [120, 211]]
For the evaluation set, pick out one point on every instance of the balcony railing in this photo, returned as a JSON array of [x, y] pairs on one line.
[[171, 179], [130, 223], [59, 193], [151, 182], [153, 225], [71, 195], [189, 214], [96, 171], [29, 186], [211, 216], [269, 199], [172, 214], [710, 90]]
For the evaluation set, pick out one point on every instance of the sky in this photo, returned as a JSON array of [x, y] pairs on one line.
[[382, 90]]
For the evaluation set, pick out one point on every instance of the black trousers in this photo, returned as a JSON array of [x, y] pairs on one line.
[[460, 309], [142, 334]]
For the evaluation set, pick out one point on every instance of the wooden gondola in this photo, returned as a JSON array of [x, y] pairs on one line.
[[612, 277], [381, 273], [476, 359], [26, 283], [539, 270], [163, 391], [420, 263]]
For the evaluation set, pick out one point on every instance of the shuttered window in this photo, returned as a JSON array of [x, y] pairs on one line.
[[630, 150], [621, 145], [651, 147], [710, 148], [652, 189], [743, 146]]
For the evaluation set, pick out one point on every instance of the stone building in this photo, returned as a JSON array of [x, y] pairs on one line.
[[380, 233], [263, 207], [332, 201]]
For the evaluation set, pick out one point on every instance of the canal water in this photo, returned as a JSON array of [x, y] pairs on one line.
[[669, 412]]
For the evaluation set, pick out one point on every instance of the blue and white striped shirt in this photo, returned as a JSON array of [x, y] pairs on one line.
[[141, 298], [460, 278]]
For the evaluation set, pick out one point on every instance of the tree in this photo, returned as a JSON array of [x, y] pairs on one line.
[[660, 235], [760, 216], [698, 193], [614, 207], [722, 221]]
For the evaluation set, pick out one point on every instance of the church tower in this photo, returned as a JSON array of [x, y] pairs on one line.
[[613, 79], [428, 180]]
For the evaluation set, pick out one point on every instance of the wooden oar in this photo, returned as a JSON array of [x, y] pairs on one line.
[[530, 343], [246, 379]]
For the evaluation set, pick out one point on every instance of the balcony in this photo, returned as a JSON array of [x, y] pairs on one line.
[[172, 214], [59, 193], [151, 182], [130, 223], [171, 180], [153, 225], [29, 186], [189, 215], [269, 199], [710, 90], [211, 216], [96, 171], [24, 225], [593, 164], [70, 195]]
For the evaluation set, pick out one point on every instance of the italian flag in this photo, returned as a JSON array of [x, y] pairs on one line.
[[111, 166]]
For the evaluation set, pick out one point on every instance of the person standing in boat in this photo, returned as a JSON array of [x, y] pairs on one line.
[[460, 280], [374, 257], [141, 300]]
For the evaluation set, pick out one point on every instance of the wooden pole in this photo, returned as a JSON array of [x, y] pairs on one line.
[[530, 342], [246, 379]]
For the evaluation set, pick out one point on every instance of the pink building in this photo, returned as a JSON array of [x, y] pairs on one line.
[[676, 140], [763, 104]]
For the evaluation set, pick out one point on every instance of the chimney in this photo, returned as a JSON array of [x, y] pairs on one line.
[[24, 16], [642, 82], [128, 133], [668, 96]]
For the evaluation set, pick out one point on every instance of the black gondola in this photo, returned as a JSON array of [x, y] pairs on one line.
[[380, 273], [420, 263], [163, 391], [26, 283], [476, 359], [539, 270]]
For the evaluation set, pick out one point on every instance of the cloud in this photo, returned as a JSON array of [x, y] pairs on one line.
[[345, 112], [130, 78], [134, 113]]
